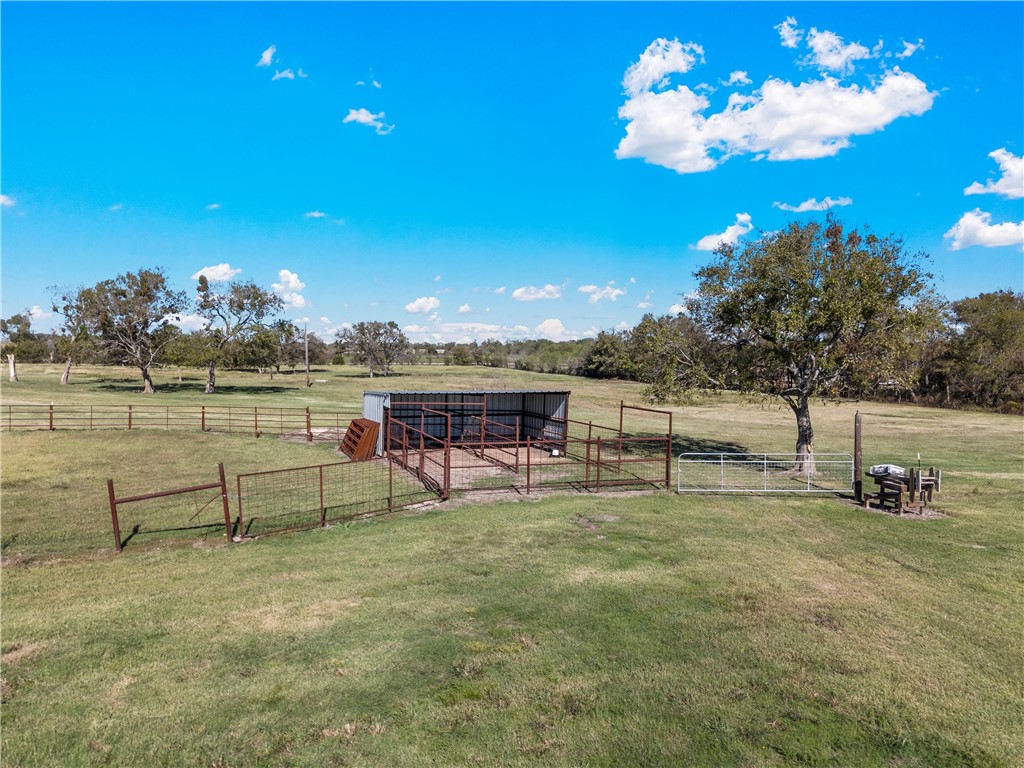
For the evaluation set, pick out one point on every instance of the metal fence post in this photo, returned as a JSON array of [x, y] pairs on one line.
[[129, 417], [721, 463], [202, 418], [51, 418], [323, 509], [238, 487], [224, 500], [527, 465], [256, 421], [668, 460], [765, 471], [309, 426], [113, 515]]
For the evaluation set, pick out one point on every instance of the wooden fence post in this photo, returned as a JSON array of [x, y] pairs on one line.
[[309, 426]]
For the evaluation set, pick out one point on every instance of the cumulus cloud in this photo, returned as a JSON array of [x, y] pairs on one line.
[[779, 120], [500, 291], [423, 305], [188, 322], [464, 308], [789, 33], [812, 204], [596, 293], [1010, 184], [739, 77], [315, 215], [464, 333], [531, 293], [7, 201], [976, 228], [909, 49], [38, 313], [677, 309], [553, 329], [286, 74], [661, 59], [267, 57], [731, 235], [829, 53], [218, 273], [289, 289], [368, 118]]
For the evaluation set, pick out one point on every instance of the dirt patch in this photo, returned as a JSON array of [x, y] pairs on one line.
[[19, 652], [927, 514], [320, 435]]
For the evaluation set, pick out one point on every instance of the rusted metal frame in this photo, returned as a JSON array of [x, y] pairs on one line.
[[528, 446], [113, 515], [224, 500]]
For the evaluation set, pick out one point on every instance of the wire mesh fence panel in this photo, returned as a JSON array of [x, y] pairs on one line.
[[308, 497], [763, 472]]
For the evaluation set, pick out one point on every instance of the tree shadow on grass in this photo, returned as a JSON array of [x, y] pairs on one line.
[[690, 444], [198, 388]]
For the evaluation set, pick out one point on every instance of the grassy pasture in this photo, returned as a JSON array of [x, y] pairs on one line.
[[598, 630]]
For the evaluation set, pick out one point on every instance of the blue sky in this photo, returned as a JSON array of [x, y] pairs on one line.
[[497, 170]]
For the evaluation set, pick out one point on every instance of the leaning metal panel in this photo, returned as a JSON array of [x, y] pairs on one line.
[[763, 473]]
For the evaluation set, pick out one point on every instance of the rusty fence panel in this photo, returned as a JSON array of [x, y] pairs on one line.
[[296, 498], [248, 420], [164, 511]]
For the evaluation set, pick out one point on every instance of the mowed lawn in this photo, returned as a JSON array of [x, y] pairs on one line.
[[600, 630]]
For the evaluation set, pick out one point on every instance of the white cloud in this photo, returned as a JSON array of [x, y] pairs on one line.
[[975, 228], [289, 289], [267, 57], [553, 329], [909, 49], [1010, 184], [739, 77], [677, 309], [423, 305], [115, 207], [464, 308], [213, 207], [531, 293], [829, 52], [7, 201], [38, 313], [219, 273], [812, 204], [500, 291], [437, 278], [780, 120], [315, 215], [283, 75], [302, 74], [731, 235], [661, 59], [189, 322], [789, 33], [368, 118], [597, 293]]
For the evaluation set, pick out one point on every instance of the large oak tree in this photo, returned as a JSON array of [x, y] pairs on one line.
[[814, 309], [130, 315]]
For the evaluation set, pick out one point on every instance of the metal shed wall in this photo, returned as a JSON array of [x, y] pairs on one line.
[[538, 413]]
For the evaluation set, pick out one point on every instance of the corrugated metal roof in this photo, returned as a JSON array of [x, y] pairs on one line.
[[468, 392]]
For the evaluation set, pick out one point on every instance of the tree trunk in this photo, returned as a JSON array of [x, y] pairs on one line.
[[12, 368], [804, 435], [147, 381], [211, 378], [67, 371]]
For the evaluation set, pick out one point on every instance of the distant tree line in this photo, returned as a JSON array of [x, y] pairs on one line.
[[810, 311]]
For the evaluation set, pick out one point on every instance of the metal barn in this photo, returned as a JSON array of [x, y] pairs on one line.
[[537, 414]]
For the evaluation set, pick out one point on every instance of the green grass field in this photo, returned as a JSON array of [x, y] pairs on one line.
[[598, 630]]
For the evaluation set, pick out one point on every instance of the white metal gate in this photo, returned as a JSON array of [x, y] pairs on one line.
[[763, 473]]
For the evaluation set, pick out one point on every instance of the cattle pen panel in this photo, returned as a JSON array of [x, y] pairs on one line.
[[318, 495], [764, 473], [248, 420], [190, 510]]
